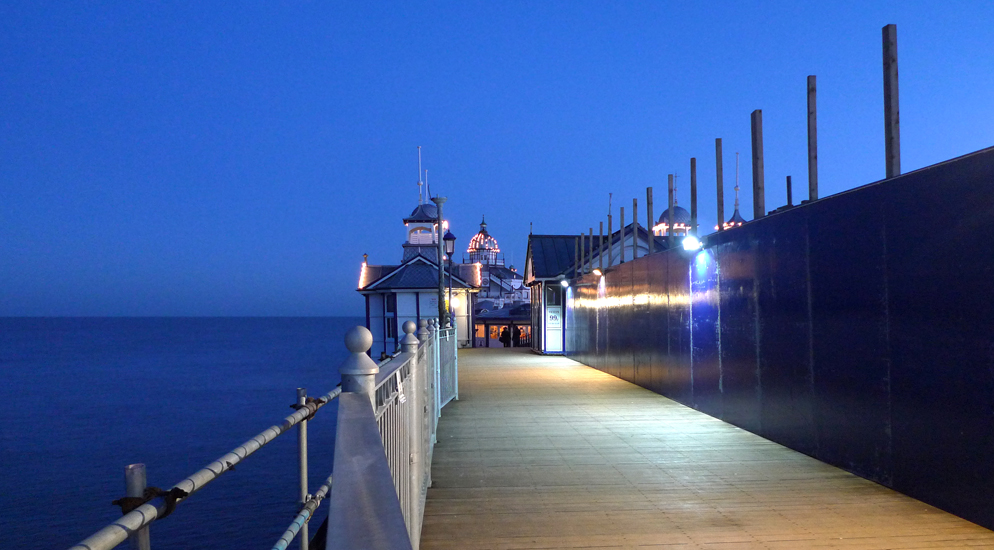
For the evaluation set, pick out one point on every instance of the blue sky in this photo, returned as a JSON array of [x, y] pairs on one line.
[[239, 158]]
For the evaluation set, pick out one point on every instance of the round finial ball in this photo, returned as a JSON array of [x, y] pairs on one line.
[[423, 323], [409, 327], [358, 339]]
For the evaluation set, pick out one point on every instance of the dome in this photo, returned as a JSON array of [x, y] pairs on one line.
[[483, 241], [735, 221], [483, 248], [680, 216], [423, 213]]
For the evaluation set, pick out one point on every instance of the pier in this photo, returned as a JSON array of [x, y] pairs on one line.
[[544, 452]]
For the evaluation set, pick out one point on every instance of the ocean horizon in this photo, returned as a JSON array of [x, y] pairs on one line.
[[86, 396]]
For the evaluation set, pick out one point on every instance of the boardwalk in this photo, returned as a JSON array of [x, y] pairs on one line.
[[547, 453]]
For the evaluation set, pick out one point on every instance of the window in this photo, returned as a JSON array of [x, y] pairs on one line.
[[391, 327], [552, 295], [391, 303], [421, 235]]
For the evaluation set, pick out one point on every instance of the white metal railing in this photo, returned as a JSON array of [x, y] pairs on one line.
[[448, 370], [407, 395], [411, 390]]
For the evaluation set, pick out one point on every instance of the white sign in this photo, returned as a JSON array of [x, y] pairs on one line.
[[554, 317]]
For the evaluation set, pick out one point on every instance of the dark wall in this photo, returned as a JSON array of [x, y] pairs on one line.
[[858, 329]]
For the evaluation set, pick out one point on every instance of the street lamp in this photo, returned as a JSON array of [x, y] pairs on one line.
[[439, 201], [450, 248]]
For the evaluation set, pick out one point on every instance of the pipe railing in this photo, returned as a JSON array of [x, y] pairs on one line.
[[142, 516], [299, 523], [406, 399]]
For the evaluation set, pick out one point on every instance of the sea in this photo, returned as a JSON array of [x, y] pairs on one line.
[[81, 398]]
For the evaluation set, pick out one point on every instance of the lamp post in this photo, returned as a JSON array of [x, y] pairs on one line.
[[439, 201], [450, 248]]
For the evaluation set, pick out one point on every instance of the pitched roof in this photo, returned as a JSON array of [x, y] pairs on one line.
[[418, 273], [550, 255]]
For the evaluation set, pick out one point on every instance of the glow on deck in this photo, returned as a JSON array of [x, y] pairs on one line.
[[543, 452]]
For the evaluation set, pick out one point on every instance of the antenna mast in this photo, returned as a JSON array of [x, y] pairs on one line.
[[736, 181], [420, 196]]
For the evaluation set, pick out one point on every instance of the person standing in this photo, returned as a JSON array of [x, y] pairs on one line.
[[505, 337]]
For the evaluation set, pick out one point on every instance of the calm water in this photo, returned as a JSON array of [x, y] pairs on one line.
[[83, 397]]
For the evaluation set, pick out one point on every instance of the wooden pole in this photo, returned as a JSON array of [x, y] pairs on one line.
[[790, 197], [591, 256], [576, 257], [600, 250], [693, 196], [812, 139], [648, 216], [583, 254], [720, 176], [610, 245], [669, 230], [621, 228], [758, 175], [892, 118], [635, 229]]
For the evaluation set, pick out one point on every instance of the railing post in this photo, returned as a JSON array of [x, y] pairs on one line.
[[432, 376], [422, 330], [438, 372], [302, 455], [455, 366], [358, 370], [135, 482], [414, 433], [409, 343]]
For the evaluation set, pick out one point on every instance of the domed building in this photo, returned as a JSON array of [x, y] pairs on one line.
[[681, 222], [736, 219], [503, 300], [483, 248]]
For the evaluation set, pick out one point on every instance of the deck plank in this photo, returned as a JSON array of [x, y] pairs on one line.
[[543, 452]]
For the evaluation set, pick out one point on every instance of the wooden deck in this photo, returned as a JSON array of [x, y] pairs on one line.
[[543, 452]]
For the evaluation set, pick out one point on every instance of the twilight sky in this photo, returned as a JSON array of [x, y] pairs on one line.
[[239, 158]]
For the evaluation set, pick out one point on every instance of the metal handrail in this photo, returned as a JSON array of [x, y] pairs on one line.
[[394, 439], [117, 532], [303, 516]]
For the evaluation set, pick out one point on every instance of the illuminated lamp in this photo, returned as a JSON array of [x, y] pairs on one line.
[[450, 243], [691, 242], [565, 283], [456, 302], [597, 272]]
